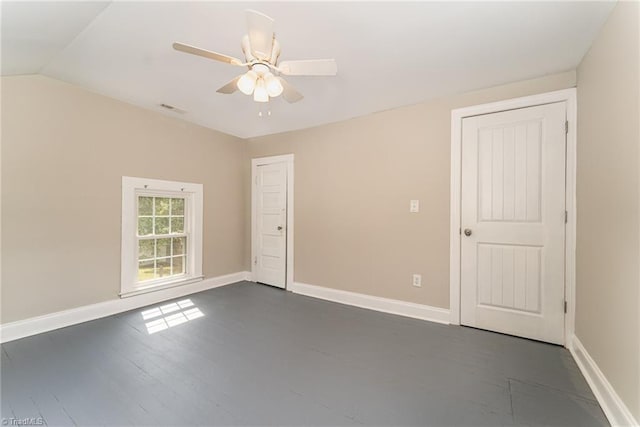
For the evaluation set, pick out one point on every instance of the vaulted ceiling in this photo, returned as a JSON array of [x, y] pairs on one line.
[[388, 54]]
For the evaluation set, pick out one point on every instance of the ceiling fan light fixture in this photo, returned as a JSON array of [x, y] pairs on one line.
[[274, 87], [247, 83], [260, 93], [261, 56]]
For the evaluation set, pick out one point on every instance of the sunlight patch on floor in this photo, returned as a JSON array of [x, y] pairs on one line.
[[169, 315]]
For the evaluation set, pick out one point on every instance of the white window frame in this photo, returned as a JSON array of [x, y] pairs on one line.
[[133, 187]]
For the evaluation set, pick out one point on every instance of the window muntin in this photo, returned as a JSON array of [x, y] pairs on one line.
[[162, 237]]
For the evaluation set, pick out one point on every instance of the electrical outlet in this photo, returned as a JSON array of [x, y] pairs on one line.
[[414, 206], [417, 280]]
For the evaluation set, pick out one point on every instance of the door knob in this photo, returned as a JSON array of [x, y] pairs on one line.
[[279, 227], [467, 232]]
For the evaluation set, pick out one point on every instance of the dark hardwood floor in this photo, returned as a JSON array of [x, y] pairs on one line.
[[247, 354]]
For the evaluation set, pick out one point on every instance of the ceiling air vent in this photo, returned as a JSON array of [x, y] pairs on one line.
[[172, 108]]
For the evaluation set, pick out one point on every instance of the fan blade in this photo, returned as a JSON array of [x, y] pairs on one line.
[[230, 87], [311, 67], [260, 34], [206, 53], [289, 93]]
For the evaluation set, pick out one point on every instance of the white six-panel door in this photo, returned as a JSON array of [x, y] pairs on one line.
[[271, 220], [513, 220]]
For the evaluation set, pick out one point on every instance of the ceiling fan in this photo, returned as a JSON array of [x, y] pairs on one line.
[[262, 51]]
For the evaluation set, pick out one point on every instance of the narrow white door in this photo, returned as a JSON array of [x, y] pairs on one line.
[[513, 222], [271, 220]]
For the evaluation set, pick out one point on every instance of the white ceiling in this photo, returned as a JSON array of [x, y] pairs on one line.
[[388, 54], [33, 33]]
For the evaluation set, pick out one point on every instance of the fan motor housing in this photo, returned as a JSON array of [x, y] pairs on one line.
[[260, 68]]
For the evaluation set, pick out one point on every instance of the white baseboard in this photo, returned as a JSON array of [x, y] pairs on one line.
[[386, 305], [614, 408], [48, 322]]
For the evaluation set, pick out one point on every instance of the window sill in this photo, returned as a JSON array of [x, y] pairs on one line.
[[160, 287]]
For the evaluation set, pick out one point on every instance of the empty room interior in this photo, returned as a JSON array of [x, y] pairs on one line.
[[320, 213]]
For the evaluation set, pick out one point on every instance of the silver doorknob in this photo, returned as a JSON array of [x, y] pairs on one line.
[[279, 227], [467, 232]]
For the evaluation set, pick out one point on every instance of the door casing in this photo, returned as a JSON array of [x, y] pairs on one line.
[[569, 97], [255, 163]]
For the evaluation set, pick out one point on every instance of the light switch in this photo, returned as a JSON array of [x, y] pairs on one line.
[[414, 206]]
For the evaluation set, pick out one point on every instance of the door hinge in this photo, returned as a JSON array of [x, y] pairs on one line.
[[566, 217], [566, 127], [255, 260], [565, 307]]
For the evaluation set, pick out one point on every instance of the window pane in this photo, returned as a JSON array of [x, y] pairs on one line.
[[163, 247], [162, 225], [162, 205], [145, 205], [178, 265], [161, 257], [179, 244], [145, 226], [177, 206], [145, 270], [163, 267], [177, 224], [146, 249]]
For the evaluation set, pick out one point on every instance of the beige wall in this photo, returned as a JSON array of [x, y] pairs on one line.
[[608, 235], [353, 183], [64, 151]]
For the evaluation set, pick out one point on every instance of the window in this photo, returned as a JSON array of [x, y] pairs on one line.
[[162, 237], [161, 234]]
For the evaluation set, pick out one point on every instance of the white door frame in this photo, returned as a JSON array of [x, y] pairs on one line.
[[569, 97], [288, 159]]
